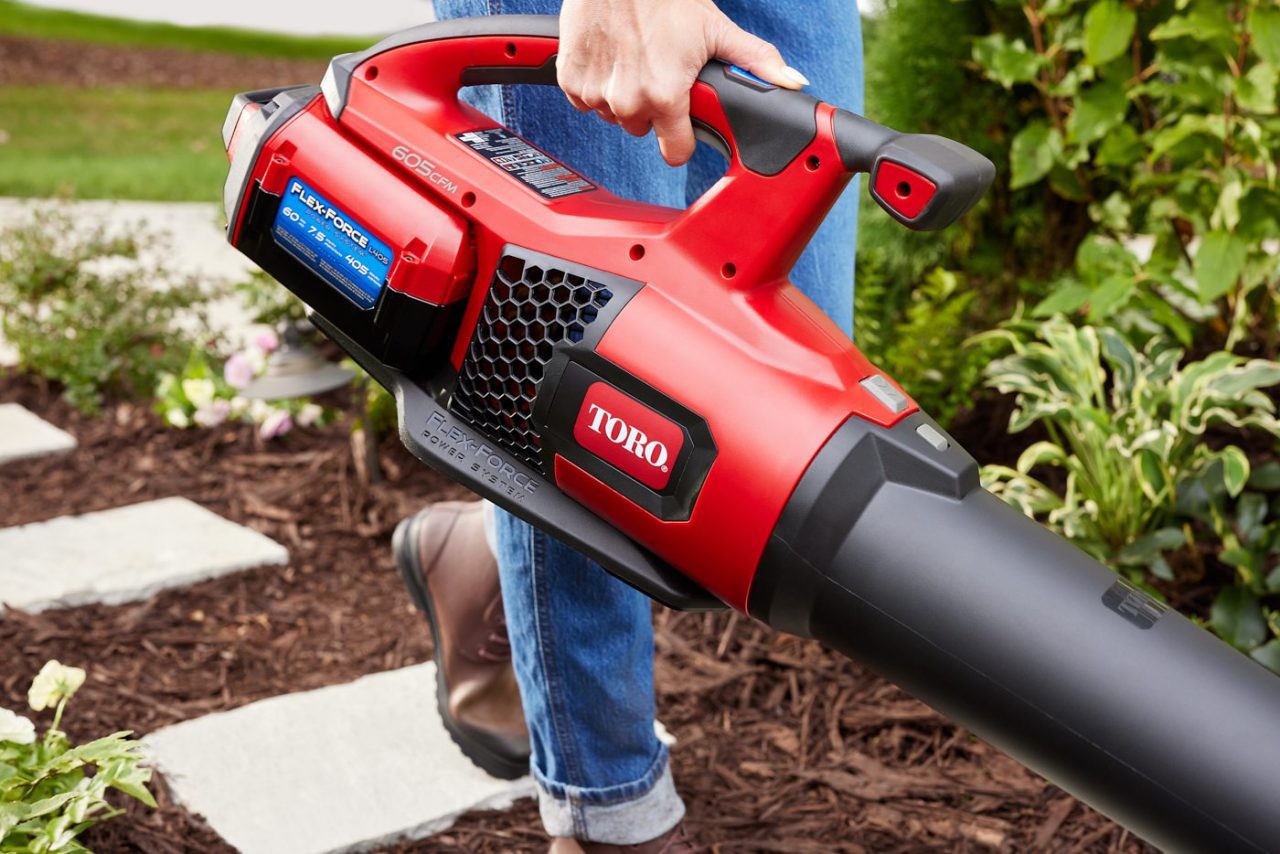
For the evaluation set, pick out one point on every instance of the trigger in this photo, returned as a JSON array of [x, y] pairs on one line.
[[703, 132]]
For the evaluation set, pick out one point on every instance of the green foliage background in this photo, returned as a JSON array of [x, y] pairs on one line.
[[1127, 254]]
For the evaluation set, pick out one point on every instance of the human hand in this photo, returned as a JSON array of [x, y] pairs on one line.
[[634, 61]]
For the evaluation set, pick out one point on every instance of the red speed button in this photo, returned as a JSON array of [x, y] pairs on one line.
[[903, 189]]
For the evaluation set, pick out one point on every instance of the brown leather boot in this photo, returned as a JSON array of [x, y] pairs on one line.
[[674, 841], [452, 576]]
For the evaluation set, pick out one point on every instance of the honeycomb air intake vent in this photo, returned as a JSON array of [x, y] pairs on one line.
[[532, 307]]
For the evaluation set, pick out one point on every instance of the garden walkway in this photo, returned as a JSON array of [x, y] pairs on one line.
[[345, 767]]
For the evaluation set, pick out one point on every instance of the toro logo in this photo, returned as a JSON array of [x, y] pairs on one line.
[[628, 435]]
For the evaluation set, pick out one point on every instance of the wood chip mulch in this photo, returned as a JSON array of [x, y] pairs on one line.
[[782, 745], [49, 62]]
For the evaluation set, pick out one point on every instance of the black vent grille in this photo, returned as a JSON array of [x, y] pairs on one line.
[[528, 311]]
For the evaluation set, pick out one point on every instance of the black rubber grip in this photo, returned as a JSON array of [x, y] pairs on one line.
[[770, 125], [960, 176]]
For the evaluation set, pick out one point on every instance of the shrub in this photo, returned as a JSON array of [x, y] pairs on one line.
[[81, 310], [46, 799], [1127, 428], [922, 344], [1160, 118], [1244, 612], [920, 79]]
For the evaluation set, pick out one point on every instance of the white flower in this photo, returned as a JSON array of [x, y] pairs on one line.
[[213, 414], [277, 423], [257, 359], [199, 392], [310, 414], [260, 410], [54, 682], [15, 728], [177, 417], [239, 406]]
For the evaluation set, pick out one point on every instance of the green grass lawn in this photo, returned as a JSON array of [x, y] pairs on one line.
[[128, 143], [19, 19]]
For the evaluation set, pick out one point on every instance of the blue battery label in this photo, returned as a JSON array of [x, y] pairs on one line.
[[337, 247]]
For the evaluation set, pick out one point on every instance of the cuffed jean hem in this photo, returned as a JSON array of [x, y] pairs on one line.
[[626, 814]]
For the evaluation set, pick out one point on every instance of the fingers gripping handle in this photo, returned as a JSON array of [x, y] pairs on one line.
[[924, 182]]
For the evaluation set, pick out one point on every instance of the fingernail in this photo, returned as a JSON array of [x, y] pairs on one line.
[[795, 76]]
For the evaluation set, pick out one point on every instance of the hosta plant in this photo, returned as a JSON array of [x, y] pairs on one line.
[[47, 800], [1127, 433]]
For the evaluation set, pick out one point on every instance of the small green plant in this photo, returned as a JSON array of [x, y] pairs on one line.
[[203, 394], [1244, 612], [46, 798], [82, 311], [268, 302], [922, 343], [1127, 428]]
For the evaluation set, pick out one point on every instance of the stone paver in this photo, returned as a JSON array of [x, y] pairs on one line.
[[342, 768], [124, 555], [23, 434]]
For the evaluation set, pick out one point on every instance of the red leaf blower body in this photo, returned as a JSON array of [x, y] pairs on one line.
[[646, 384]]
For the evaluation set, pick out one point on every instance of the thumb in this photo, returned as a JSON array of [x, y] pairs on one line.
[[751, 53]]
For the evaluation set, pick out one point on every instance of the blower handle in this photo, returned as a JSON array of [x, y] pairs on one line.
[[925, 182]]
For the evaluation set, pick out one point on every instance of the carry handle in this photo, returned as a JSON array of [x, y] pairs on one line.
[[767, 132]]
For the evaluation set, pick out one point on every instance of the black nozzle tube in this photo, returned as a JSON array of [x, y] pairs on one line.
[[1018, 635]]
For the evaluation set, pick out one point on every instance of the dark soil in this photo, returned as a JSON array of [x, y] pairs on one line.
[[782, 746], [46, 62]]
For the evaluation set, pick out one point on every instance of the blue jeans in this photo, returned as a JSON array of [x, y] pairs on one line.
[[582, 641]]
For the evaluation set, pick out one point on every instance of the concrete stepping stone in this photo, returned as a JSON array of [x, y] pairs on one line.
[[23, 435], [124, 555], [343, 768]]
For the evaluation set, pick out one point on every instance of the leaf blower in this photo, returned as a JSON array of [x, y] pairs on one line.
[[645, 384]]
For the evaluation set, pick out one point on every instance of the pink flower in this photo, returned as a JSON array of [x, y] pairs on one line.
[[276, 424], [213, 414], [266, 340], [238, 371]]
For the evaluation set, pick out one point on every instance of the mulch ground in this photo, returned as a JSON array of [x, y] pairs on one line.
[[47, 62], [782, 745]]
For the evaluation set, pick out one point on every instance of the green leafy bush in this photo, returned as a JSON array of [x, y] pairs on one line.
[[1161, 119], [46, 798], [82, 312], [1245, 612], [920, 78], [922, 343]]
